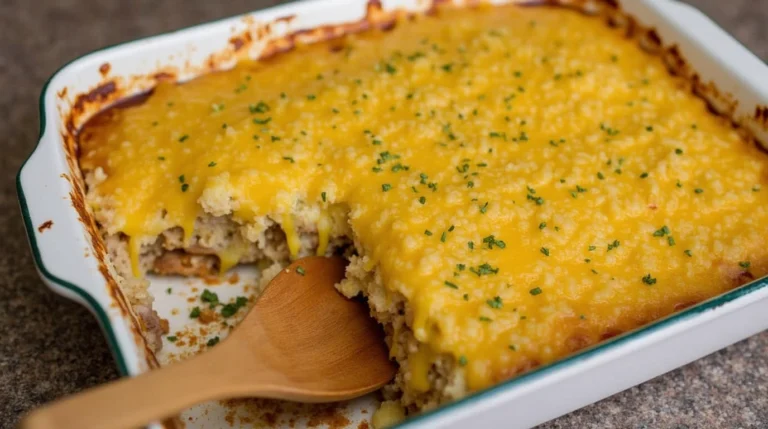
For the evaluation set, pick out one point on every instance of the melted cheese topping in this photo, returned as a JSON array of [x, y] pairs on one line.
[[528, 179]]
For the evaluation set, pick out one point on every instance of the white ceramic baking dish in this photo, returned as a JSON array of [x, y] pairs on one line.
[[70, 256]]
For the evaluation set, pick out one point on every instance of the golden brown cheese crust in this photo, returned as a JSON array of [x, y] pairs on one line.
[[526, 180]]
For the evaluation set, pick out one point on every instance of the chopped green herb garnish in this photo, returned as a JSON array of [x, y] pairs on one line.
[[264, 121], [647, 279], [323, 196], [300, 270], [698, 190], [422, 199], [613, 245], [492, 241], [485, 319], [496, 302], [195, 313], [443, 236], [184, 187], [535, 291], [643, 175], [688, 252], [210, 297], [311, 97], [386, 187], [261, 107], [212, 342], [544, 251], [471, 245], [289, 159], [745, 264], [427, 232], [542, 225], [484, 208], [171, 338], [484, 270], [671, 240], [183, 138], [450, 285], [661, 232], [600, 176], [229, 310], [608, 130], [462, 360]]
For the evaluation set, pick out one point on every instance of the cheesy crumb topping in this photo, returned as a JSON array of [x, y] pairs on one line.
[[531, 181]]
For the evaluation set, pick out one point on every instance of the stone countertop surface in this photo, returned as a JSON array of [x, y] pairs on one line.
[[51, 347]]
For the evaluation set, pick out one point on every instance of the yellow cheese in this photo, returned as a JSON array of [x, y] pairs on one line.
[[527, 178], [388, 414], [419, 364]]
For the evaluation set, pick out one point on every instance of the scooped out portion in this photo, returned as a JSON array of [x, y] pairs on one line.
[[511, 185]]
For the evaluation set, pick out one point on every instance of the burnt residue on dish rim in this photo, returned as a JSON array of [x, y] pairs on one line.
[[119, 91]]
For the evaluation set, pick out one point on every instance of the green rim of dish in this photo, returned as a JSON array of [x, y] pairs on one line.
[[101, 314]]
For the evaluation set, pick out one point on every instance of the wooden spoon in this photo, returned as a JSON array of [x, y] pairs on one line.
[[302, 341]]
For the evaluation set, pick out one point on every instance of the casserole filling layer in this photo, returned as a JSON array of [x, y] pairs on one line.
[[512, 184]]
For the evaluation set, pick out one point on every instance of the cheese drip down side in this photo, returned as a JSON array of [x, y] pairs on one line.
[[531, 181]]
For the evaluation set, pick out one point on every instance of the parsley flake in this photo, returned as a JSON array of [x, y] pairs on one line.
[[496, 302], [661, 232]]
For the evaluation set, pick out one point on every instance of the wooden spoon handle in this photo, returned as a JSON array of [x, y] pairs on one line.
[[134, 402]]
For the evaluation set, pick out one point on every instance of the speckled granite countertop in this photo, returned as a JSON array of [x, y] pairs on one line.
[[50, 347]]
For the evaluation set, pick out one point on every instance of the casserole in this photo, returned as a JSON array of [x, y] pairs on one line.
[[56, 223]]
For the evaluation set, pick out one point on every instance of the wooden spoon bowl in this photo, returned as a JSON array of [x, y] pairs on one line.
[[302, 341]]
